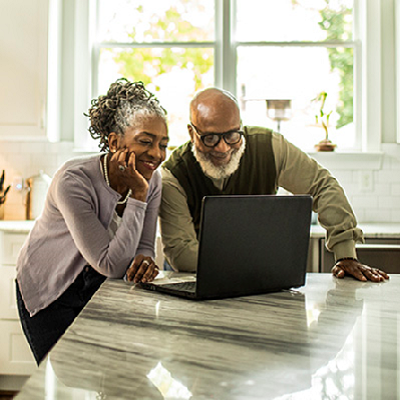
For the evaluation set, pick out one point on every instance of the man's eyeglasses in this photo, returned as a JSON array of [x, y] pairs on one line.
[[212, 139]]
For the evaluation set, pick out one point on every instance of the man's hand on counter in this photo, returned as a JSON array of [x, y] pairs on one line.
[[359, 271]]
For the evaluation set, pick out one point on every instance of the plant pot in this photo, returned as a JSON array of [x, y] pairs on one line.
[[325, 145]]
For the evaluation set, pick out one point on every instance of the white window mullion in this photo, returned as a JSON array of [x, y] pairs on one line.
[[357, 73], [82, 87], [371, 60], [95, 47], [218, 47], [225, 48]]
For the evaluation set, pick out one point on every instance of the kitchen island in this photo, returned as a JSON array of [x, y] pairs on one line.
[[329, 339]]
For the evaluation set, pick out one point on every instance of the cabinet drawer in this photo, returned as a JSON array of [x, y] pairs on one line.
[[381, 253], [15, 355], [12, 243], [8, 302]]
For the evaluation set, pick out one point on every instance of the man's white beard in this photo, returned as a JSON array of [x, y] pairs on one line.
[[222, 171]]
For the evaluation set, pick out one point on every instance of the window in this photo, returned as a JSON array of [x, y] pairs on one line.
[[294, 50], [168, 45], [260, 50]]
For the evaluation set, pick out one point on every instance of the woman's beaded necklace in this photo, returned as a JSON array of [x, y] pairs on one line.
[[108, 181]]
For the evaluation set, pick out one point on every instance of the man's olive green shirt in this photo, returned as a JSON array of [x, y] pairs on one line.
[[296, 172]]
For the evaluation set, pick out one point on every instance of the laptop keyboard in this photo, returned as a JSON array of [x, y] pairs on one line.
[[182, 286]]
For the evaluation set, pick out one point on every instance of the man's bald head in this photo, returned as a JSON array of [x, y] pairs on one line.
[[215, 110]]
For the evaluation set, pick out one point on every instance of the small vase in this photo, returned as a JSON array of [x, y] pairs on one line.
[[325, 145]]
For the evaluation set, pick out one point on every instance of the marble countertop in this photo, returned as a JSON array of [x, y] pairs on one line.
[[23, 226], [329, 339]]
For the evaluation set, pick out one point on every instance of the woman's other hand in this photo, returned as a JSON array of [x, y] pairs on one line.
[[143, 269]]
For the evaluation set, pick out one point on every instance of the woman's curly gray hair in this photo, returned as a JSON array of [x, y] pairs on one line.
[[114, 112]]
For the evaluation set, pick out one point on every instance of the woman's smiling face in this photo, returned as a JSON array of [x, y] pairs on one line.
[[148, 139]]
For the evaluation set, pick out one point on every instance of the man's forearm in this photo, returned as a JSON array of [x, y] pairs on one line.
[[177, 230]]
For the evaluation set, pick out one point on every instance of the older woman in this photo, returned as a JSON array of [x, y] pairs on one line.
[[99, 218]]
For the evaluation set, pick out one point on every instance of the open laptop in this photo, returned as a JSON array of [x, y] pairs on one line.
[[248, 245]]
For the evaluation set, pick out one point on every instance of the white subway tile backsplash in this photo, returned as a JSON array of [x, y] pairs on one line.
[[364, 202], [10, 147], [387, 163], [374, 215], [18, 165], [396, 215], [33, 147], [45, 163], [396, 167], [359, 215], [385, 176], [389, 202], [381, 188], [57, 148], [344, 177], [395, 189]]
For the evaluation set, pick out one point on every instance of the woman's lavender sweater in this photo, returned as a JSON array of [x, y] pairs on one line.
[[72, 232]]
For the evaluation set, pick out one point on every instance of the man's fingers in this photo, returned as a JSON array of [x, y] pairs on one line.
[[381, 273], [356, 272], [374, 274], [338, 272]]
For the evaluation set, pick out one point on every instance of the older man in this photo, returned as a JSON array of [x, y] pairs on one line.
[[224, 158]]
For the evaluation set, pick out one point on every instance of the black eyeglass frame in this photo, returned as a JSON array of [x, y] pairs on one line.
[[220, 135]]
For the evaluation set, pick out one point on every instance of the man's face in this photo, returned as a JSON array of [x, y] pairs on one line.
[[221, 154]]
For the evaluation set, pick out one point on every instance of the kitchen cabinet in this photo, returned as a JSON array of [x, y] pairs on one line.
[[15, 356], [381, 248], [383, 253], [23, 79]]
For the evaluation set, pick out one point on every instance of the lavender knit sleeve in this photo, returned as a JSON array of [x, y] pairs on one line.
[[80, 210]]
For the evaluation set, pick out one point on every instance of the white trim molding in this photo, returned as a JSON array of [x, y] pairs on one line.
[[348, 161]]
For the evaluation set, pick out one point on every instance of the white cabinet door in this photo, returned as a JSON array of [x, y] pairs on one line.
[[23, 64], [12, 243], [8, 303], [15, 355]]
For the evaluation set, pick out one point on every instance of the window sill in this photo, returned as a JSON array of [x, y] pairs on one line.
[[349, 160]]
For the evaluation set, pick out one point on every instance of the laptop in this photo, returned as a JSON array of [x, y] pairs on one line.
[[247, 245]]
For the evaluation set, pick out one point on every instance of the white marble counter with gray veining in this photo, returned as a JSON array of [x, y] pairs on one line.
[[329, 339]]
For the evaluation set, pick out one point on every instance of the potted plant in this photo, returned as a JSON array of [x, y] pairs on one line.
[[322, 117]]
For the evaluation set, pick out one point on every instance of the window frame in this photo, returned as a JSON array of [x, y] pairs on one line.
[[367, 66]]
